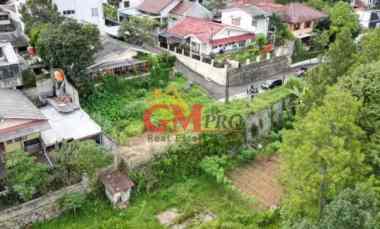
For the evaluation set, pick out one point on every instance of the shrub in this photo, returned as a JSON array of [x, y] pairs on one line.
[[272, 148], [214, 166], [25, 175], [28, 78], [72, 202], [78, 158], [247, 155]]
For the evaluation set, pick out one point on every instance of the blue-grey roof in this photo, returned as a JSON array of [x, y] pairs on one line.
[[15, 105]]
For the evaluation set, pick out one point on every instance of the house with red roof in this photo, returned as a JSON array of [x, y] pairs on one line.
[[247, 17], [203, 37], [188, 8], [301, 19], [166, 11]]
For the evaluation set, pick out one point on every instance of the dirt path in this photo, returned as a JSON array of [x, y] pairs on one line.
[[259, 179], [142, 149]]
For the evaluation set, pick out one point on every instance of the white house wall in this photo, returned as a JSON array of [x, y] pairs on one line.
[[228, 32], [165, 12], [83, 10], [199, 11], [135, 3], [246, 21]]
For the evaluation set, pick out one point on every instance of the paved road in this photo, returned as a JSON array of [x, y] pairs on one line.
[[218, 91]]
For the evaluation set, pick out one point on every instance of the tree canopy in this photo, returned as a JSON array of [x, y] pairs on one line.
[[138, 30], [326, 145], [36, 12], [24, 174], [70, 46]]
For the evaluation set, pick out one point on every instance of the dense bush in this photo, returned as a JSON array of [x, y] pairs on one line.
[[214, 166], [182, 161], [25, 175], [77, 158], [72, 202]]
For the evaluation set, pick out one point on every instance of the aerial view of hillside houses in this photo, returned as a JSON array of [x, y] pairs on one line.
[[189, 114]]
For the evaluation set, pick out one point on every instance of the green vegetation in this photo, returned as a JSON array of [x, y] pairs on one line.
[[61, 42], [138, 30], [70, 46], [28, 178], [335, 137], [78, 158], [38, 12], [254, 49], [110, 12], [119, 105], [189, 197], [25, 175]]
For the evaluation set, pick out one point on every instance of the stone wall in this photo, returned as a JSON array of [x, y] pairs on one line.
[[258, 71], [40, 209], [262, 122]]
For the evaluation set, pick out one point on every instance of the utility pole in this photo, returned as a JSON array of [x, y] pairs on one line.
[[227, 93]]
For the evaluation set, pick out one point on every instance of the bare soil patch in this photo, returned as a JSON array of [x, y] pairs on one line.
[[260, 180]]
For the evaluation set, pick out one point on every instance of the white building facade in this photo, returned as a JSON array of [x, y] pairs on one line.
[[89, 11], [249, 18]]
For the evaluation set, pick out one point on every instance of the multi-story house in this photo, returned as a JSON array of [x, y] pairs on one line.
[[204, 37], [10, 69], [248, 17]]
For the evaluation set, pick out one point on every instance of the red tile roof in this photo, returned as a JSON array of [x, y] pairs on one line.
[[202, 29], [182, 8], [297, 13], [154, 6]]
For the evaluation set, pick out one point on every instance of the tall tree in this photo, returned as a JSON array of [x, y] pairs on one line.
[[36, 12], [342, 16], [352, 209], [338, 60], [69, 45], [364, 83], [137, 30], [369, 47], [322, 155]]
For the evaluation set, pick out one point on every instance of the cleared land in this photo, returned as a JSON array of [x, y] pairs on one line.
[[260, 180]]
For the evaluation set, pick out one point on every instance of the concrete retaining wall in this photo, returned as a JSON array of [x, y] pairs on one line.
[[258, 71], [218, 75], [261, 123], [40, 209]]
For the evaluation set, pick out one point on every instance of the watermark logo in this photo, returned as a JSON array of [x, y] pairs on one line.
[[195, 121]]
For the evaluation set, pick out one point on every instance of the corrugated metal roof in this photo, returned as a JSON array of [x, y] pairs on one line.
[[15, 105]]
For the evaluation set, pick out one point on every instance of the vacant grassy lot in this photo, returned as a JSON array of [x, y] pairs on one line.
[[191, 197]]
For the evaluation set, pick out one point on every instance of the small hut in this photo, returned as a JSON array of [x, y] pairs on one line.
[[118, 187]]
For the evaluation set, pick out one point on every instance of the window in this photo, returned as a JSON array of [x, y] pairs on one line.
[[126, 4], [235, 21], [254, 23], [195, 47], [94, 12], [68, 12], [297, 26], [307, 24]]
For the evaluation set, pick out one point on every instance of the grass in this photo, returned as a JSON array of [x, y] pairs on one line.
[[189, 197], [119, 105]]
